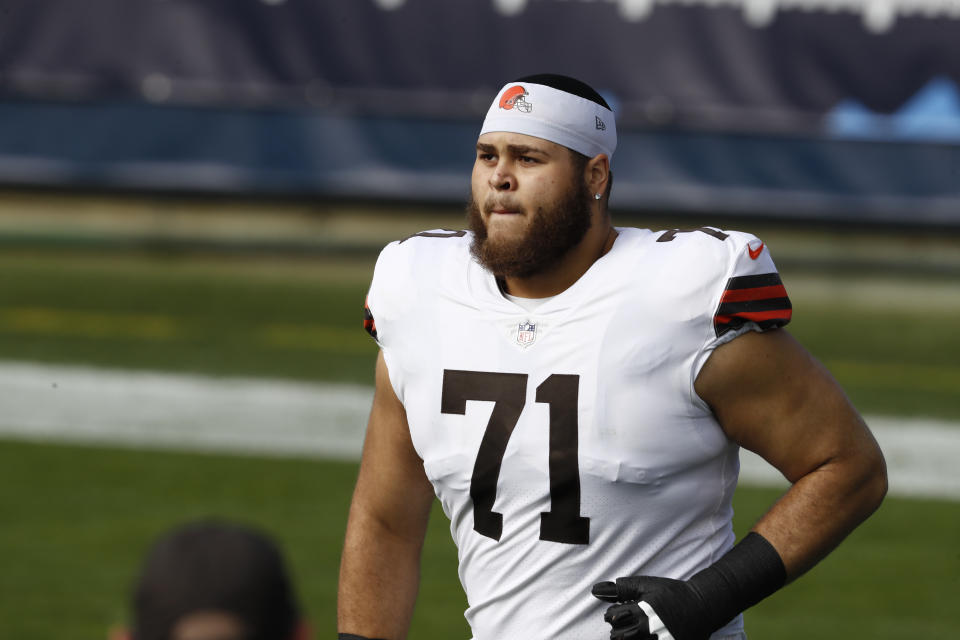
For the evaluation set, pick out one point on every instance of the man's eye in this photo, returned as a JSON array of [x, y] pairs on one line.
[[485, 156], [528, 160]]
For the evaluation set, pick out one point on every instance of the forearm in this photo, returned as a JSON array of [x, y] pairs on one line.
[[822, 508], [379, 579], [380, 566], [692, 609], [773, 398]]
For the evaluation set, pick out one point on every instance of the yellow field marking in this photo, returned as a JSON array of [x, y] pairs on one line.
[[888, 375], [87, 324], [347, 271]]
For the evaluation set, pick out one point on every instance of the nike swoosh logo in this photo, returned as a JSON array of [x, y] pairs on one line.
[[755, 253]]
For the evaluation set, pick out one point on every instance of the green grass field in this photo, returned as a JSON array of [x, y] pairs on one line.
[[77, 520], [74, 521]]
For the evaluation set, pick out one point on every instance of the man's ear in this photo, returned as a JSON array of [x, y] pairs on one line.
[[119, 633], [597, 173]]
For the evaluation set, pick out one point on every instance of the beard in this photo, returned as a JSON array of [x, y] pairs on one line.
[[552, 231]]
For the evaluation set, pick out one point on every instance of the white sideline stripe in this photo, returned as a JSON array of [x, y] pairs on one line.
[[270, 417], [922, 458], [189, 412]]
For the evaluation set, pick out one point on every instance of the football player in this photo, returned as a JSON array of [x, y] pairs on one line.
[[576, 394]]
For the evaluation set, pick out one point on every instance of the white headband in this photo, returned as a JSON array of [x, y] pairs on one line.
[[544, 112]]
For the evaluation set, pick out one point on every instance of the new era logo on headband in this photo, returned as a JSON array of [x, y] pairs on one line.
[[600, 125], [515, 97]]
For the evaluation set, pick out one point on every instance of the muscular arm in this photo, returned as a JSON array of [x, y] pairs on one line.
[[380, 566], [773, 398]]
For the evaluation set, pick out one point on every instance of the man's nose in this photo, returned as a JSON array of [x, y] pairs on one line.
[[502, 179]]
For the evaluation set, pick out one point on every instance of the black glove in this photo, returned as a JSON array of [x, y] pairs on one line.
[[672, 606], [652, 608]]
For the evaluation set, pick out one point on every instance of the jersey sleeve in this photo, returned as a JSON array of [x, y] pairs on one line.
[[753, 292], [405, 281], [748, 296], [404, 269], [381, 305]]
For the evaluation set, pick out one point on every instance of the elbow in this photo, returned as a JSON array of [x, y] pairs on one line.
[[875, 482], [881, 480]]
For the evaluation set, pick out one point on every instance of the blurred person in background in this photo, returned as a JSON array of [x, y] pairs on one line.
[[213, 580], [614, 373]]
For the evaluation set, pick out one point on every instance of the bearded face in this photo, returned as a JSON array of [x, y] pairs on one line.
[[551, 231]]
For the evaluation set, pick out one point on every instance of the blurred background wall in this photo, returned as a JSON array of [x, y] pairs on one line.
[[839, 110]]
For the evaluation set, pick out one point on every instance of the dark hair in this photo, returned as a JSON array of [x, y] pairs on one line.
[[568, 84], [215, 566]]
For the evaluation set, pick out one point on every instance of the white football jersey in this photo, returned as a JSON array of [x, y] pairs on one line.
[[567, 445]]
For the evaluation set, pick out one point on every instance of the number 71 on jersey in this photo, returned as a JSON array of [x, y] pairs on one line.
[[508, 391]]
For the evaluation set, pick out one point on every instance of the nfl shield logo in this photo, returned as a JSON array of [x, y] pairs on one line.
[[526, 334]]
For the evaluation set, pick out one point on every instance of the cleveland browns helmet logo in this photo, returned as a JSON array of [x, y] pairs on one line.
[[515, 97]]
